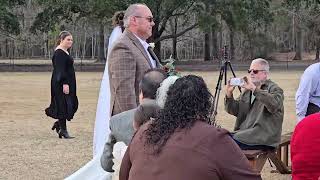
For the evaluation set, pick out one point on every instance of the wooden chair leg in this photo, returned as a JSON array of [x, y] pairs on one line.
[[286, 155], [260, 162], [279, 152], [281, 167]]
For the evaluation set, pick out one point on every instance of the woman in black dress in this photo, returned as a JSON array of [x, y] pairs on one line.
[[64, 101]]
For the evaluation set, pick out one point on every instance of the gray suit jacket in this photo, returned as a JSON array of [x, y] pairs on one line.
[[121, 130], [128, 61]]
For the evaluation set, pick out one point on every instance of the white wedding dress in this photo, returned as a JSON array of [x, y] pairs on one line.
[[93, 169], [101, 126]]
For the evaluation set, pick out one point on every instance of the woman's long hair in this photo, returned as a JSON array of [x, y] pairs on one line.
[[188, 101], [117, 19]]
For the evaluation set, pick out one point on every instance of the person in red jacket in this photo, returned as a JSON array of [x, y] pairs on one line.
[[305, 148]]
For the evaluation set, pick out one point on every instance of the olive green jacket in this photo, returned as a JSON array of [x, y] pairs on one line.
[[260, 122]]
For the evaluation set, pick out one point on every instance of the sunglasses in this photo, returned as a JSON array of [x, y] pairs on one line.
[[254, 71], [149, 19]]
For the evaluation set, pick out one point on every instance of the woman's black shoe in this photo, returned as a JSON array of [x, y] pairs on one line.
[[65, 134], [56, 127]]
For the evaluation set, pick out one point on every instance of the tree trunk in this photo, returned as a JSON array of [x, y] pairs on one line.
[[206, 47], [7, 48], [157, 50], [155, 35], [214, 41], [92, 46], [101, 57], [174, 48], [293, 33], [84, 45], [232, 48], [250, 51], [75, 47], [298, 44], [174, 40], [317, 51], [45, 45]]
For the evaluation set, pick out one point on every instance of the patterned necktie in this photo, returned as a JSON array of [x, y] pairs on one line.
[[153, 55]]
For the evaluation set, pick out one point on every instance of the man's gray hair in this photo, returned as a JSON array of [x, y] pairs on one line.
[[262, 62], [131, 11]]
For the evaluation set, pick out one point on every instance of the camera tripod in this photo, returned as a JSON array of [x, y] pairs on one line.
[[222, 74]]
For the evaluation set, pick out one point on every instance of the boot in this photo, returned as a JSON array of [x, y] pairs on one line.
[[56, 126], [64, 133], [63, 129]]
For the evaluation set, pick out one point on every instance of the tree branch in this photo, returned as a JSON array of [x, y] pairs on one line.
[[170, 14], [185, 11], [176, 35], [3, 33]]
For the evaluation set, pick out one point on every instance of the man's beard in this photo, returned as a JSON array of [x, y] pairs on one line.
[[259, 82]]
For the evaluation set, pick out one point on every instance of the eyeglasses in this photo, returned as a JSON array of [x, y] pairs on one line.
[[255, 71], [149, 19]]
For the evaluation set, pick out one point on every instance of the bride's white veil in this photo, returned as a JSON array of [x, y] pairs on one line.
[[101, 126]]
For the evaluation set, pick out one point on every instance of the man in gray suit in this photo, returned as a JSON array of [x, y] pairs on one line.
[[121, 125], [130, 57]]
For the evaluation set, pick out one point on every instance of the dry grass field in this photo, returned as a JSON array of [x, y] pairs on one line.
[[31, 150]]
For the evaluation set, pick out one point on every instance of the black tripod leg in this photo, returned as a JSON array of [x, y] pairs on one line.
[[225, 73], [217, 94], [218, 87], [229, 64], [234, 75]]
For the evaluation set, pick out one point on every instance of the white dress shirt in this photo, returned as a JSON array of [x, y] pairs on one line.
[[308, 91], [145, 46]]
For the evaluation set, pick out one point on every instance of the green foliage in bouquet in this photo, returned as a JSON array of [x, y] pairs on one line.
[[170, 68]]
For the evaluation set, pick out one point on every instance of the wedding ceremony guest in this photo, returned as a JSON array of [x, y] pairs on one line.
[[305, 148], [101, 126], [64, 101], [181, 137], [308, 93], [130, 58], [259, 109], [121, 125], [144, 112]]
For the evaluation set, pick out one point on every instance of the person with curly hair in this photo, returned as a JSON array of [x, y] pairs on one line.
[[181, 136]]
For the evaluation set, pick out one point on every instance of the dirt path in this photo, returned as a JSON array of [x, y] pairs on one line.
[[30, 150]]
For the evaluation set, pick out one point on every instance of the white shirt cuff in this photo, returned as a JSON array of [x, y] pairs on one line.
[[299, 118]]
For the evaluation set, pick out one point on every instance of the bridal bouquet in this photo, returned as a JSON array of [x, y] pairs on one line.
[[170, 68]]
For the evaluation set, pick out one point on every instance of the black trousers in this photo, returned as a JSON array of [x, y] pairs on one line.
[[312, 108], [252, 147]]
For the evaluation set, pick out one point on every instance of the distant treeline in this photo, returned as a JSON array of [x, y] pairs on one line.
[[184, 29]]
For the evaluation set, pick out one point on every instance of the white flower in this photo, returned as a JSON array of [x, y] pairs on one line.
[[152, 45]]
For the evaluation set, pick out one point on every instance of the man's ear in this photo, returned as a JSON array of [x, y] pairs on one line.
[[140, 96]]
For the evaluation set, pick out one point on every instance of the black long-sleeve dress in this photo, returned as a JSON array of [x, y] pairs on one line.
[[62, 106]]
